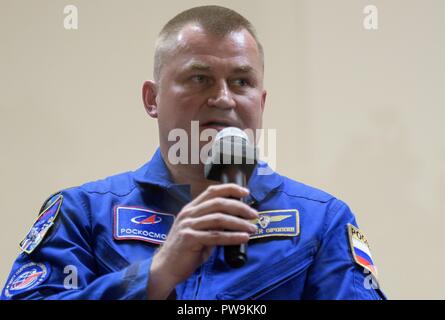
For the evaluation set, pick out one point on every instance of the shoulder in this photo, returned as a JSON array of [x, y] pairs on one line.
[[313, 201], [120, 184], [297, 189], [78, 203], [309, 195], [80, 197]]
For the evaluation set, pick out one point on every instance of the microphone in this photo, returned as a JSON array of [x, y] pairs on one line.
[[233, 159]]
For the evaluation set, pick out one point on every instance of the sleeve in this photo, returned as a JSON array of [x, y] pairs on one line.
[[337, 272], [63, 264]]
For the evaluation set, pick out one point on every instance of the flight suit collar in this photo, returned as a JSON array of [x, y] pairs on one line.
[[263, 181], [155, 172]]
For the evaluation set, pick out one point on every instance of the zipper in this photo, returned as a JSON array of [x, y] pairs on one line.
[[275, 285], [198, 284], [254, 285], [210, 261], [203, 269]]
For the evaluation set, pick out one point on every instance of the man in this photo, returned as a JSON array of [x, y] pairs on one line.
[[108, 239]]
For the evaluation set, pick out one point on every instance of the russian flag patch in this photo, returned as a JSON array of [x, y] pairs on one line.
[[360, 250]]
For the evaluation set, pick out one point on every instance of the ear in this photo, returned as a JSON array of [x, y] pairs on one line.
[[149, 94], [263, 100], [262, 106]]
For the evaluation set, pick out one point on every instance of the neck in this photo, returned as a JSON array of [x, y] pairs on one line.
[[192, 174]]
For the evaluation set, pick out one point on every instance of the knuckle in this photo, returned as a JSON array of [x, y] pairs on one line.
[[185, 223], [187, 234], [234, 186], [214, 234], [213, 189], [218, 202], [185, 212], [219, 219]]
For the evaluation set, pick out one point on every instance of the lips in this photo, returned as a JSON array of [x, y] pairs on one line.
[[218, 124]]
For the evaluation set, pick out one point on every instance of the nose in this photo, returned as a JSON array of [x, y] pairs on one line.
[[222, 97]]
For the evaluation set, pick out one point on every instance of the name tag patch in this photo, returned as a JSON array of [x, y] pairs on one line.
[[132, 223], [277, 223]]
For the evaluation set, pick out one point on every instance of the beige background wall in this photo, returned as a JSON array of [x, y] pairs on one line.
[[359, 113]]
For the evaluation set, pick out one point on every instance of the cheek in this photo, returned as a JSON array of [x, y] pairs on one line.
[[178, 99], [177, 109], [250, 110]]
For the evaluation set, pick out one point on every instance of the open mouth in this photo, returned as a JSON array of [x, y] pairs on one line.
[[218, 125]]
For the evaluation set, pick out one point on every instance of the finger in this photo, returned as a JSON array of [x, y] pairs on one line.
[[221, 221], [227, 206], [221, 190]]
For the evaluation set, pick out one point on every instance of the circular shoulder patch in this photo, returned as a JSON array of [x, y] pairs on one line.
[[26, 277]]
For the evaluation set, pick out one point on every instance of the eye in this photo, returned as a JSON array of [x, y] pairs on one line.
[[199, 78], [241, 82]]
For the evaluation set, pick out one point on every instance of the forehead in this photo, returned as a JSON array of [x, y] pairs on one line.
[[193, 44]]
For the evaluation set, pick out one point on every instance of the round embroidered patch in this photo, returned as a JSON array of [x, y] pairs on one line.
[[26, 277]]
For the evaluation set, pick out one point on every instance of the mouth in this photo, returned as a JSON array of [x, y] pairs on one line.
[[217, 124]]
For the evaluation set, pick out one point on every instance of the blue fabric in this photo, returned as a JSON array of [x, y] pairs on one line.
[[315, 264]]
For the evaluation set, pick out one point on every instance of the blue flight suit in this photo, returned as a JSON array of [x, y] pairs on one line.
[[317, 263]]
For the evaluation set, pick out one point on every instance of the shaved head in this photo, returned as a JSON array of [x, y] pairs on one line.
[[215, 20]]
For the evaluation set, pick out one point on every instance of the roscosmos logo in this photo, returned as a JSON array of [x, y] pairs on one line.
[[153, 219]]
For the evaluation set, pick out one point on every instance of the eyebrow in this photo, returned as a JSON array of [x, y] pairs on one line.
[[244, 69], [198, 66]]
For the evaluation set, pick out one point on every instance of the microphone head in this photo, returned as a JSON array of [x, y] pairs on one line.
[[231, 147], [229, 132]]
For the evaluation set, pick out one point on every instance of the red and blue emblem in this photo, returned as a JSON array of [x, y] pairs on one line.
[[42, 225], [144, 219], [132, 223], [27, 277]]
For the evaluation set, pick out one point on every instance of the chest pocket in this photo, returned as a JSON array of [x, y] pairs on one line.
[[276, 280]]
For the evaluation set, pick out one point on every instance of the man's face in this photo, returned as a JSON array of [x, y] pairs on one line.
[[217, 81]]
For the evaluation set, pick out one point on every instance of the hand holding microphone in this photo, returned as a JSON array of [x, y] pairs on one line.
[[233, 161], [216, 217]]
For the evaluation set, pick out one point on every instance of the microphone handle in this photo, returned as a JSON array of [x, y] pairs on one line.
[[236, 255]]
